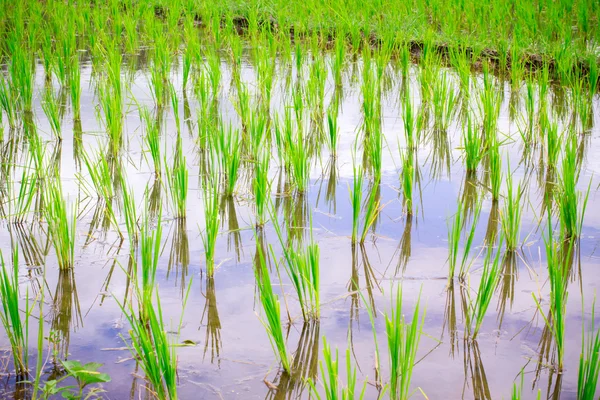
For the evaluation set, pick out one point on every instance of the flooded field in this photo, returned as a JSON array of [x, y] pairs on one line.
[[214, 222]]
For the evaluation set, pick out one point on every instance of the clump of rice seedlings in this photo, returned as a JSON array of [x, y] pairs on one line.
[[154, 351], [177, 177], [372, 209], [7, 103], [302, 267], [111, 106], [589, 362], [211, 227], [355, 200], [272, 310], [511, 213], [24, 198], [553, 142], [152, 138], [487, 285], [228, 145], [489, 102], [16, 328], [444, 103], [558, 275], [408, 119], [22, 74], [403, 342], [454, 238], [129, 211], [261, 186], [331, 379], [568, 197], [472, 145], [61, 224], [150, 241], [298, 158], [51, 109]]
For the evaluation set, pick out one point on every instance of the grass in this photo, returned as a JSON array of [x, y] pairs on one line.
[[271, 307], [15, 326], [403, 342]]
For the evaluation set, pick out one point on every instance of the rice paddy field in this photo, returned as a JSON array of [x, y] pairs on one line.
[[283, 200]]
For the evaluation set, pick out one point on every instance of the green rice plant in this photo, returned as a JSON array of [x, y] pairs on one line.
[[17, 328], [355, 200], [101, 176], [302, 267], [510, 217], [61, 224], [228, 146], [298, 158], [272, 310], [129, 211], [22, 76], [331, 380], [558, 275], [553, 144], [372, 207], [568, 197], [489, 102], [472, 145], [177, 177], [454, 239], [487, 286], [111, 107], [211, 225], [261, 187], [444, 103], [408, 119], [408, 178], [403, 342], [333, 129], [50, 105], [495, 168], [27, 192], [152, 139], [7, 103], [154, 351], [589, 361], [150, 242], [75, 87]]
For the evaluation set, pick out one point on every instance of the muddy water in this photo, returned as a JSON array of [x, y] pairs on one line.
[[232, 357]]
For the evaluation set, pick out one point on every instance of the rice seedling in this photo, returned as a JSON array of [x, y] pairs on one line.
[[111, 106], [511, 213], [332, 129], [177, 177], [408, 177], [61, 223], [75, 87], [152, 139], [372, 207], [7, 103], [444, 102], [558, 275], [15, 326], [271, 308], [403, 342], [50, 106], [302, 267], [487, 286], [152, 347], [489, 102], [22, 74], [589, 361], [228, 146], [408, 119], [298, 158], [472, 145], [211, 226], [261, 187], [495, 168], [150, 246], [454, 238], [355, 200], [129, 211]]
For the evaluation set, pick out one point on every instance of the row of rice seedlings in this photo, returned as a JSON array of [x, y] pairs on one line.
[[177, 177], [271, 307], [403, 342], [331, 379], [454, 238], [511, 213], [152, 139], [589, 361], [15, 325], [487, 286], [61, 223], [558, 275], [302, 267]]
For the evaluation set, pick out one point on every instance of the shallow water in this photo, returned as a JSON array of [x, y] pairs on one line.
[[232, 357]]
